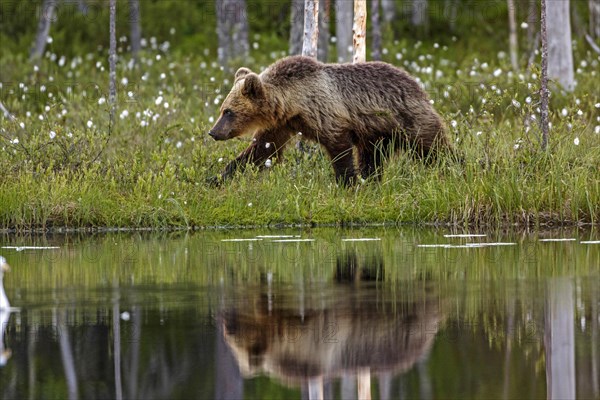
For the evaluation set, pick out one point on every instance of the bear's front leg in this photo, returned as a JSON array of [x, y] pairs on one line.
[[265, 145], [371, 156], [342, 160]]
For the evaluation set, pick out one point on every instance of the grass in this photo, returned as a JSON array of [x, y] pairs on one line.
[[63, 167]]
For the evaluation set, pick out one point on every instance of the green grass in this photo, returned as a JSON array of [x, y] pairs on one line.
[[61, 165]]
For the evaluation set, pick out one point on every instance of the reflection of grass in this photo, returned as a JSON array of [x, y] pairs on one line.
[[65, 169], [203, 259]]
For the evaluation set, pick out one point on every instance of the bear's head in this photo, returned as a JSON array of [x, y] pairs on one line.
[[245, 108]]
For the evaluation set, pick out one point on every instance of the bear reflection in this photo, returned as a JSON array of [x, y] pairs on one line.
[[344, 331]]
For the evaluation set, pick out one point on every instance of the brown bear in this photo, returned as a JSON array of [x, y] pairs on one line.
[[369, 106]]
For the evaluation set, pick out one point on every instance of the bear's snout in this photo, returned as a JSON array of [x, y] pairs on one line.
[[218, 134]]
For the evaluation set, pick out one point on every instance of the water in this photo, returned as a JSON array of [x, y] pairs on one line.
[[505, 315]]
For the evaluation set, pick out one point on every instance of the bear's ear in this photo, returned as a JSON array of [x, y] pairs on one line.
[[242, 72], [253, 87]]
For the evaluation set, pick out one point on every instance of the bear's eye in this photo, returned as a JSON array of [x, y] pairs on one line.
[[227, 111]]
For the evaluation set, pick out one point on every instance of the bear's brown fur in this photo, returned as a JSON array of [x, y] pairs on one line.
[[369, 106]]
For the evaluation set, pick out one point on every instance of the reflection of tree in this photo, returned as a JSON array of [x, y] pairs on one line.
[[559, 339]]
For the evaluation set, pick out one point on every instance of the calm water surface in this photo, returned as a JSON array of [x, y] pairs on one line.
[[315, 314]]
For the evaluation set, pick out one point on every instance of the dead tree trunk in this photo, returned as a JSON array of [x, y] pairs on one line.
[[41, 38], [512, 36], [344, 12], [311, 28], [323, 45], [560, 51], [112, 63], [136, 29], [359, 30], [544, 78], [375, 31], [296, 27]]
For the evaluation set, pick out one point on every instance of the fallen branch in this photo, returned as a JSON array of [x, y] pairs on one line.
[[7, 113], [593, 45]]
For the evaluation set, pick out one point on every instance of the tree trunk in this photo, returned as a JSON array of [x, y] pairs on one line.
[[46, 17], [323, 45], [223, 49], [232, 30], [359, 30], [240, 30], [389, 11], [296, 27], [343, 29], [512, 36], [112, 63], [531, 21], [419, 12], [560, 52], [311, 28], [451, 11], [594, 6], [544, 78], [532, 32], [82, 7], [136, 29], [375, 31]]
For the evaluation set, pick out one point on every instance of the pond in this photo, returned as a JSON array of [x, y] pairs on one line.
[[321, 313]]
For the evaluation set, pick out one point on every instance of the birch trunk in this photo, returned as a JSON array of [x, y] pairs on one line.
[[112, 63], [359, 30], [512, 36], [375, 31], [43, 30], [136, 29], [311, 28], [560, 51], [344, 13]]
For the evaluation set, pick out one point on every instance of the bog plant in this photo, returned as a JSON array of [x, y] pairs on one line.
[[63, 165]]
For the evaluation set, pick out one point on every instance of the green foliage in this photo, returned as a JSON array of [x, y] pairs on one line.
[[63, 165]]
